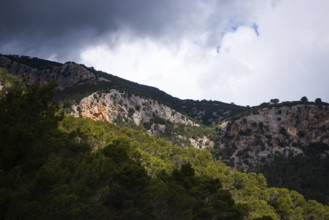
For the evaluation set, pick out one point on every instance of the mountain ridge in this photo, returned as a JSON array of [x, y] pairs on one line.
[[70, 75], [247, 138]]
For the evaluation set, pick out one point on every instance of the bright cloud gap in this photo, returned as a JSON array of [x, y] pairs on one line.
[[246, 52]]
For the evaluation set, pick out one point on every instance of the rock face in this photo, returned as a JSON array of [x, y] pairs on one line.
[[278, 131], [115, 106], [65, 76], [70, 76], [98, 98]]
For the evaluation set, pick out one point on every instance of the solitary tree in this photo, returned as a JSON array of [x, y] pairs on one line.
[[274, 101], [304, 99], [318, 100]]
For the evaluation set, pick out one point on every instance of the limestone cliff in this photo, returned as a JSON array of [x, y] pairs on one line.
[[65, 75], [76, 81], [101, 96], [257, 138], [115, 105]]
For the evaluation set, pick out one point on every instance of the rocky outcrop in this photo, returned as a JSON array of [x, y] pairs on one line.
[[76, 81], [98, 97], [65, 75], [115, 106], [278, 131], [202, 142]]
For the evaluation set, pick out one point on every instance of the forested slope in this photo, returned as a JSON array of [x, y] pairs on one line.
[[58, 167]]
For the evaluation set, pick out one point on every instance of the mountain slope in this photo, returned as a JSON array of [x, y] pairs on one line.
[[277, 130], [276, 140], [47, 172], [77, 81], [289, 143], [94, 94], [55, 167]]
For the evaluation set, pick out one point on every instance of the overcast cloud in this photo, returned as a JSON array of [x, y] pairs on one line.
[[245, 52]]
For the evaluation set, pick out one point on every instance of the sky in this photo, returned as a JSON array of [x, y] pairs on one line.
[[241, 51]]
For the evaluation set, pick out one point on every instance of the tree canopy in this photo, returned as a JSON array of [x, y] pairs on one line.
[[55, 167]]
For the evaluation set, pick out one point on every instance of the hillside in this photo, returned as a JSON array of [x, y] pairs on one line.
[[86, 92], [60, 167], [278, 130], [77, 81], [287, 142]]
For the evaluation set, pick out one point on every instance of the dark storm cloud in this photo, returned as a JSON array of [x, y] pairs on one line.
[[64, 27], [48, 26]]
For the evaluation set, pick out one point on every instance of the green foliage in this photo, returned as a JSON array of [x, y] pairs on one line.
[[306, 174], [187, 196], [80, 169], [24, 115], [59, 177], [161, 159]]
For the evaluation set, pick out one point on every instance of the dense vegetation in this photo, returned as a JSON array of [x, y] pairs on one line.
[[56, 167], [46, 173], [307, 174], [249, 190]]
